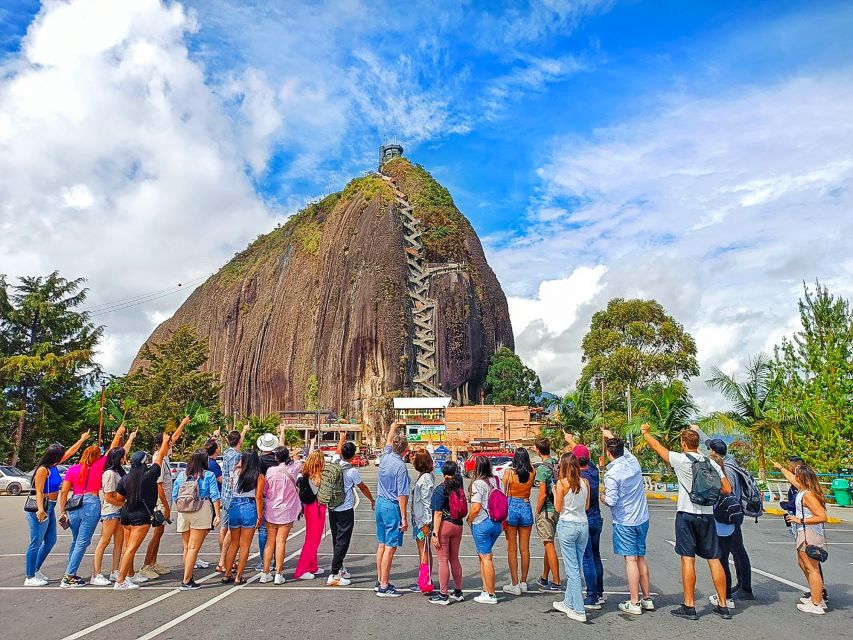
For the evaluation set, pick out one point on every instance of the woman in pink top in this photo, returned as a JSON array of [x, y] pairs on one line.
[[282, 506], [85, 480]]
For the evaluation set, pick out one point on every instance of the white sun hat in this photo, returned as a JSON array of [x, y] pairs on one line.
[[267, 442]]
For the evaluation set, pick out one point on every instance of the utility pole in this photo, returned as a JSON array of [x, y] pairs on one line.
[[101, 413]]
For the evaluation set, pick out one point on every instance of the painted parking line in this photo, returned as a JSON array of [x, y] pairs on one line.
[[767, 574], [124, 614], [789, 542], [205, 605]]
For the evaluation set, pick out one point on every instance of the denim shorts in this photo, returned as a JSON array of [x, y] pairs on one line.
[[520, 514], [486, 534], [630, 540], [242, 513], [111, 516], [388, 522]]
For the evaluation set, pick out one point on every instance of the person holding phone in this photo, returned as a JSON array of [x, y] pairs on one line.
[[47, 481], [422, 519]]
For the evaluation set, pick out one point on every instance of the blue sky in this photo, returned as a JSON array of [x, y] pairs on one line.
[[688, 151]]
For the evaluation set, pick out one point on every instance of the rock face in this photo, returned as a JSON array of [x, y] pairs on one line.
[[327, 294]]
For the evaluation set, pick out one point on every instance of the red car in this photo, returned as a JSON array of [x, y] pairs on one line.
[[472, 459], [358, 460]]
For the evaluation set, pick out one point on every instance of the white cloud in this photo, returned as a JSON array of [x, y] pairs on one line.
[[717, 208], [119, 163]]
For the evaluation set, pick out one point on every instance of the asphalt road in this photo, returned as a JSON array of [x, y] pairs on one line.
[[309, 609]]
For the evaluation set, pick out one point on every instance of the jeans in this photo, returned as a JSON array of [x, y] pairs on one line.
[[242, 513], [388, 522], [262, 537], [743, 568], [83, 523], [573, 537], [42, 539], [485, 534], [341, 523], [520, 514], [593, 569]]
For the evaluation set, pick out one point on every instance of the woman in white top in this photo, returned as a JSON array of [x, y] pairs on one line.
[[571, 500], [422, 519]]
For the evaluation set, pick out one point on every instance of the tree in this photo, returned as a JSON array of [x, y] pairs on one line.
[[668, 408], [508, 381], [816, 368], [577, 414], [756, 413], [312, 393], [633, 343], [46, 361], [170, 385]]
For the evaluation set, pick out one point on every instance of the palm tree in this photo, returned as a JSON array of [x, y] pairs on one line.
[[755, 413], [668, 408], [576, 412]]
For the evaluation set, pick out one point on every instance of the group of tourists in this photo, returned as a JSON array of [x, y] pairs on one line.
[[267, 490]]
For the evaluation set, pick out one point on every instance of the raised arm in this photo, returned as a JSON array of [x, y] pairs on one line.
[[177, 435], [119, 434], [341, 440], [74, 448], [392, 432], [129, 443], [243, 433], [164, 449], [653, 442], [789, 475], [281, 431]]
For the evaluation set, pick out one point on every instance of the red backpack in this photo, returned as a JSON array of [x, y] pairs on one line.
[[498, 507], [457, 505]]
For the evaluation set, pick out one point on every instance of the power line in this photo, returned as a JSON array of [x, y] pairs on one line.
[[139, 300], [104, 305]]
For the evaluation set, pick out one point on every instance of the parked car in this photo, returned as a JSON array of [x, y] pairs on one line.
[[358, 461], [377, 460], [176, 467], [500, 464], [472, 459], [14, 481]]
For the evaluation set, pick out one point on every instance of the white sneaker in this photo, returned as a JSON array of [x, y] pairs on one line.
[[41, 576], [559, 605], [809, 601], [486, 598], [306, 576], [149, 573], [265, 577], [114, 576], [714, 600], [99, 581], [512, 589], [816, 609], [138, 579], [630, 607], [319, 571], [523, 586], [337, 581], [647, 603], [201, 564], [279, 579], [35, 581], [126, 585], [573, 615], [344, 573]]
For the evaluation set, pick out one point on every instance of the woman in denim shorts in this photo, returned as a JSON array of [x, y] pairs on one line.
[[244, 513], [518, 482], [111, 504]]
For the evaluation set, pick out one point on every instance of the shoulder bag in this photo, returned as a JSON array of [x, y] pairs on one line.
[[813, 551]]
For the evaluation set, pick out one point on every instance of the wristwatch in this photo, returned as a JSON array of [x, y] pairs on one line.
[[435, 533]]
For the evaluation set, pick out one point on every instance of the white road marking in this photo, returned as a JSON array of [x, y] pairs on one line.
[[120, 616], [189, 614], [767, 574], [791, 542]]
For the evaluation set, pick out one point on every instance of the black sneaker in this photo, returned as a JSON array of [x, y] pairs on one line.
[[192, 585], [723, 612], [739, 593], [388, 592], [457, 595], [688, 613], [440, 598]]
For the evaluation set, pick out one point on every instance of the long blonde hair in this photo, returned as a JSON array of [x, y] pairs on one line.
[[313, 467]]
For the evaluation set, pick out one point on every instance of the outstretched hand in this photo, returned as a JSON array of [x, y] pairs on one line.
[[645, 428], [85, 435], [607, 433]]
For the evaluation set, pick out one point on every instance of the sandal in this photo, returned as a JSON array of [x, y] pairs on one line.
[[239, 581], [227, 580], [219, 569]]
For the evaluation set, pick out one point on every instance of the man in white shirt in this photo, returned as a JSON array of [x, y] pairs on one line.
[[695, 531]]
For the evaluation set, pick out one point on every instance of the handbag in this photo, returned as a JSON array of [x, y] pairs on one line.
[[813, 551], [76, 501], [31, 504], [158, 518]]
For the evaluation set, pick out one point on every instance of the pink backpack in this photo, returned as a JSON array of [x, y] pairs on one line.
[[457, 504], [498, 508]]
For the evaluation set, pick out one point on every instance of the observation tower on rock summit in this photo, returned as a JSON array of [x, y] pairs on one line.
[[423, 308]]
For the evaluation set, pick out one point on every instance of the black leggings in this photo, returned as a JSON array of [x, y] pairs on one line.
[[725, 543], [341, 523]]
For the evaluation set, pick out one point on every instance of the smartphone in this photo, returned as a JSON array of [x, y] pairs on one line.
[[420, 534], [63, 522]]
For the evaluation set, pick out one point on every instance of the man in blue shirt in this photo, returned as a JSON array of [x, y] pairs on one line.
[[625, 494], [393, 496]]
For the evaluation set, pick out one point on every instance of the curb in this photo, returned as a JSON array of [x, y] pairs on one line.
[[769, 511]]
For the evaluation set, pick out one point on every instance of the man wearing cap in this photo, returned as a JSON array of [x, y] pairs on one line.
[[593, 569], [625, 494], [743, 568]]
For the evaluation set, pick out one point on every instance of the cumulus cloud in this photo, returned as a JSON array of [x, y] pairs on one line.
[[118, 162], [717, 208]]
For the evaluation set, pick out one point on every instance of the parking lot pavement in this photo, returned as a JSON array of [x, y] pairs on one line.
[[309, 609]]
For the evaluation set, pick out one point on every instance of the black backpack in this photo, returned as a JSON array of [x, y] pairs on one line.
[[751, 496], [707, 486], [728, 510], [306, 493]]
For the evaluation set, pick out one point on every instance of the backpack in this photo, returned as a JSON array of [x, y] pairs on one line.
[[331, 491], [751, 497], [457, 505], [549, 491], [306, 494], [189, 499], [706, 482], [728, 510], [498, 505]]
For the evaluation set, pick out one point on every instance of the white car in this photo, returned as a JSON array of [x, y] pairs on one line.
[[501, 464], [14, 481], [176, 467], [377, 460]]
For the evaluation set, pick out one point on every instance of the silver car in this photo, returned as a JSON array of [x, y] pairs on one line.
[[14, 481]]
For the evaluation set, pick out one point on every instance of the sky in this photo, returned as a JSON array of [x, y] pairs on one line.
[[697, 153]]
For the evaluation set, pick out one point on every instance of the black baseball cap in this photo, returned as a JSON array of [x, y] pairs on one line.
[[717, 446]]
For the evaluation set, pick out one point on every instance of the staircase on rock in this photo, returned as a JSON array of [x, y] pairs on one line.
[[427, 382]]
